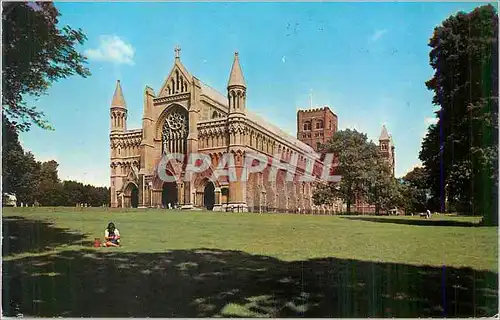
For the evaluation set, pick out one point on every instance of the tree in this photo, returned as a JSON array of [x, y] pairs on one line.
[[19, 169], [36, 52], [365, 174], [50, 191], [383, 189], [12, 153], [460, 152], [415, 187], [325, 193]]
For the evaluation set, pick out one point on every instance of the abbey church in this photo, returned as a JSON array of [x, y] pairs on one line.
[[187, 116]]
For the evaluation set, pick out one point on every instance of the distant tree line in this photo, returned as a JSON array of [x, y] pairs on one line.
[[35, 182]]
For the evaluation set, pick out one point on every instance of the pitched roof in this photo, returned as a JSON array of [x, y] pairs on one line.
[[236, 76], [118, 99], [384, 136], [215, 95]]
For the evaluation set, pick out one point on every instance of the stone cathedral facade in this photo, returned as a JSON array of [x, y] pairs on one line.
[[186, 116]]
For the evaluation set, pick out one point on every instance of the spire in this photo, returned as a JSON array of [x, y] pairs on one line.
[[384, 136], [118, 99], [236, 77]]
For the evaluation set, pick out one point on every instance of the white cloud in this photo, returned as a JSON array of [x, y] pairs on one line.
[[112, 49], [429, 120], [377, 35]]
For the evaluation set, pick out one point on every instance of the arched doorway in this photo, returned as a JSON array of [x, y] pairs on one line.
[[169, 194], [209, 196], [131, 196], [134, 196]]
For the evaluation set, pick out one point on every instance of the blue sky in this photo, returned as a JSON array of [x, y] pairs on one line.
[[367, 61]]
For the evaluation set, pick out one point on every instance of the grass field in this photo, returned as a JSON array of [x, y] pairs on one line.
[[204, 264]]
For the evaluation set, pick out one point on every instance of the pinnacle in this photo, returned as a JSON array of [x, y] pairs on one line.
[[118, 99], [384, 136], [236, 76]]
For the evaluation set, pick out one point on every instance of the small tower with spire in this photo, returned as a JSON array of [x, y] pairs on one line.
[[236, 88], [118, 110], [387, 148], [236, 95], [384, 140]]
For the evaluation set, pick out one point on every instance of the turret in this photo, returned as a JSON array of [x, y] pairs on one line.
[[236, 89], [236, 95], [393, 156], [118, 110], [384, 140]]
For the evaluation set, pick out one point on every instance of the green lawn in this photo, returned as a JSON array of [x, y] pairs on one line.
[[192, 264]]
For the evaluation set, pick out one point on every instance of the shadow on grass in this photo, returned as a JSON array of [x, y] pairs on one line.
[[415, 222], [21, 235], [105, 282]]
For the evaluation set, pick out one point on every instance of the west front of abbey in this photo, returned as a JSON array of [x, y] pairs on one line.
[[186, 116]]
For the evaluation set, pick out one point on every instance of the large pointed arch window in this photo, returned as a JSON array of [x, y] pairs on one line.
[[175, 131]]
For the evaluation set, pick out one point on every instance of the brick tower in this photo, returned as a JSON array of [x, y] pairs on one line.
[[316, 126]]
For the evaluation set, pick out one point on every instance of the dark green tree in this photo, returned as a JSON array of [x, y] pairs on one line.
[[383, 189], [36, 51], [417, 193], [50, 191], [20, 170], [460, 152], [365, 175]]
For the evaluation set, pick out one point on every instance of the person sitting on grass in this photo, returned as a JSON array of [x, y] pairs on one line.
[[112, 236]]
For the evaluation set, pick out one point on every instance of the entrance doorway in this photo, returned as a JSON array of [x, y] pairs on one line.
[[131, 196], [134, 196], [209, 196], [169, 194]]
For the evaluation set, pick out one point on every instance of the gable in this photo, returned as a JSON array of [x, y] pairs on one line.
[[177, 82]]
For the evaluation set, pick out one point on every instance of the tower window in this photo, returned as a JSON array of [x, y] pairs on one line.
[[307, 125], [319, 124]]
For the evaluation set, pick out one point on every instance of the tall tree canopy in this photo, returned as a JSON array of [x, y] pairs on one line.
[[35, 52], [460, 151], [365, 174]]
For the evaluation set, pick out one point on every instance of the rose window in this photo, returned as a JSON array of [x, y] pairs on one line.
[[176, 121], [175, 131]]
